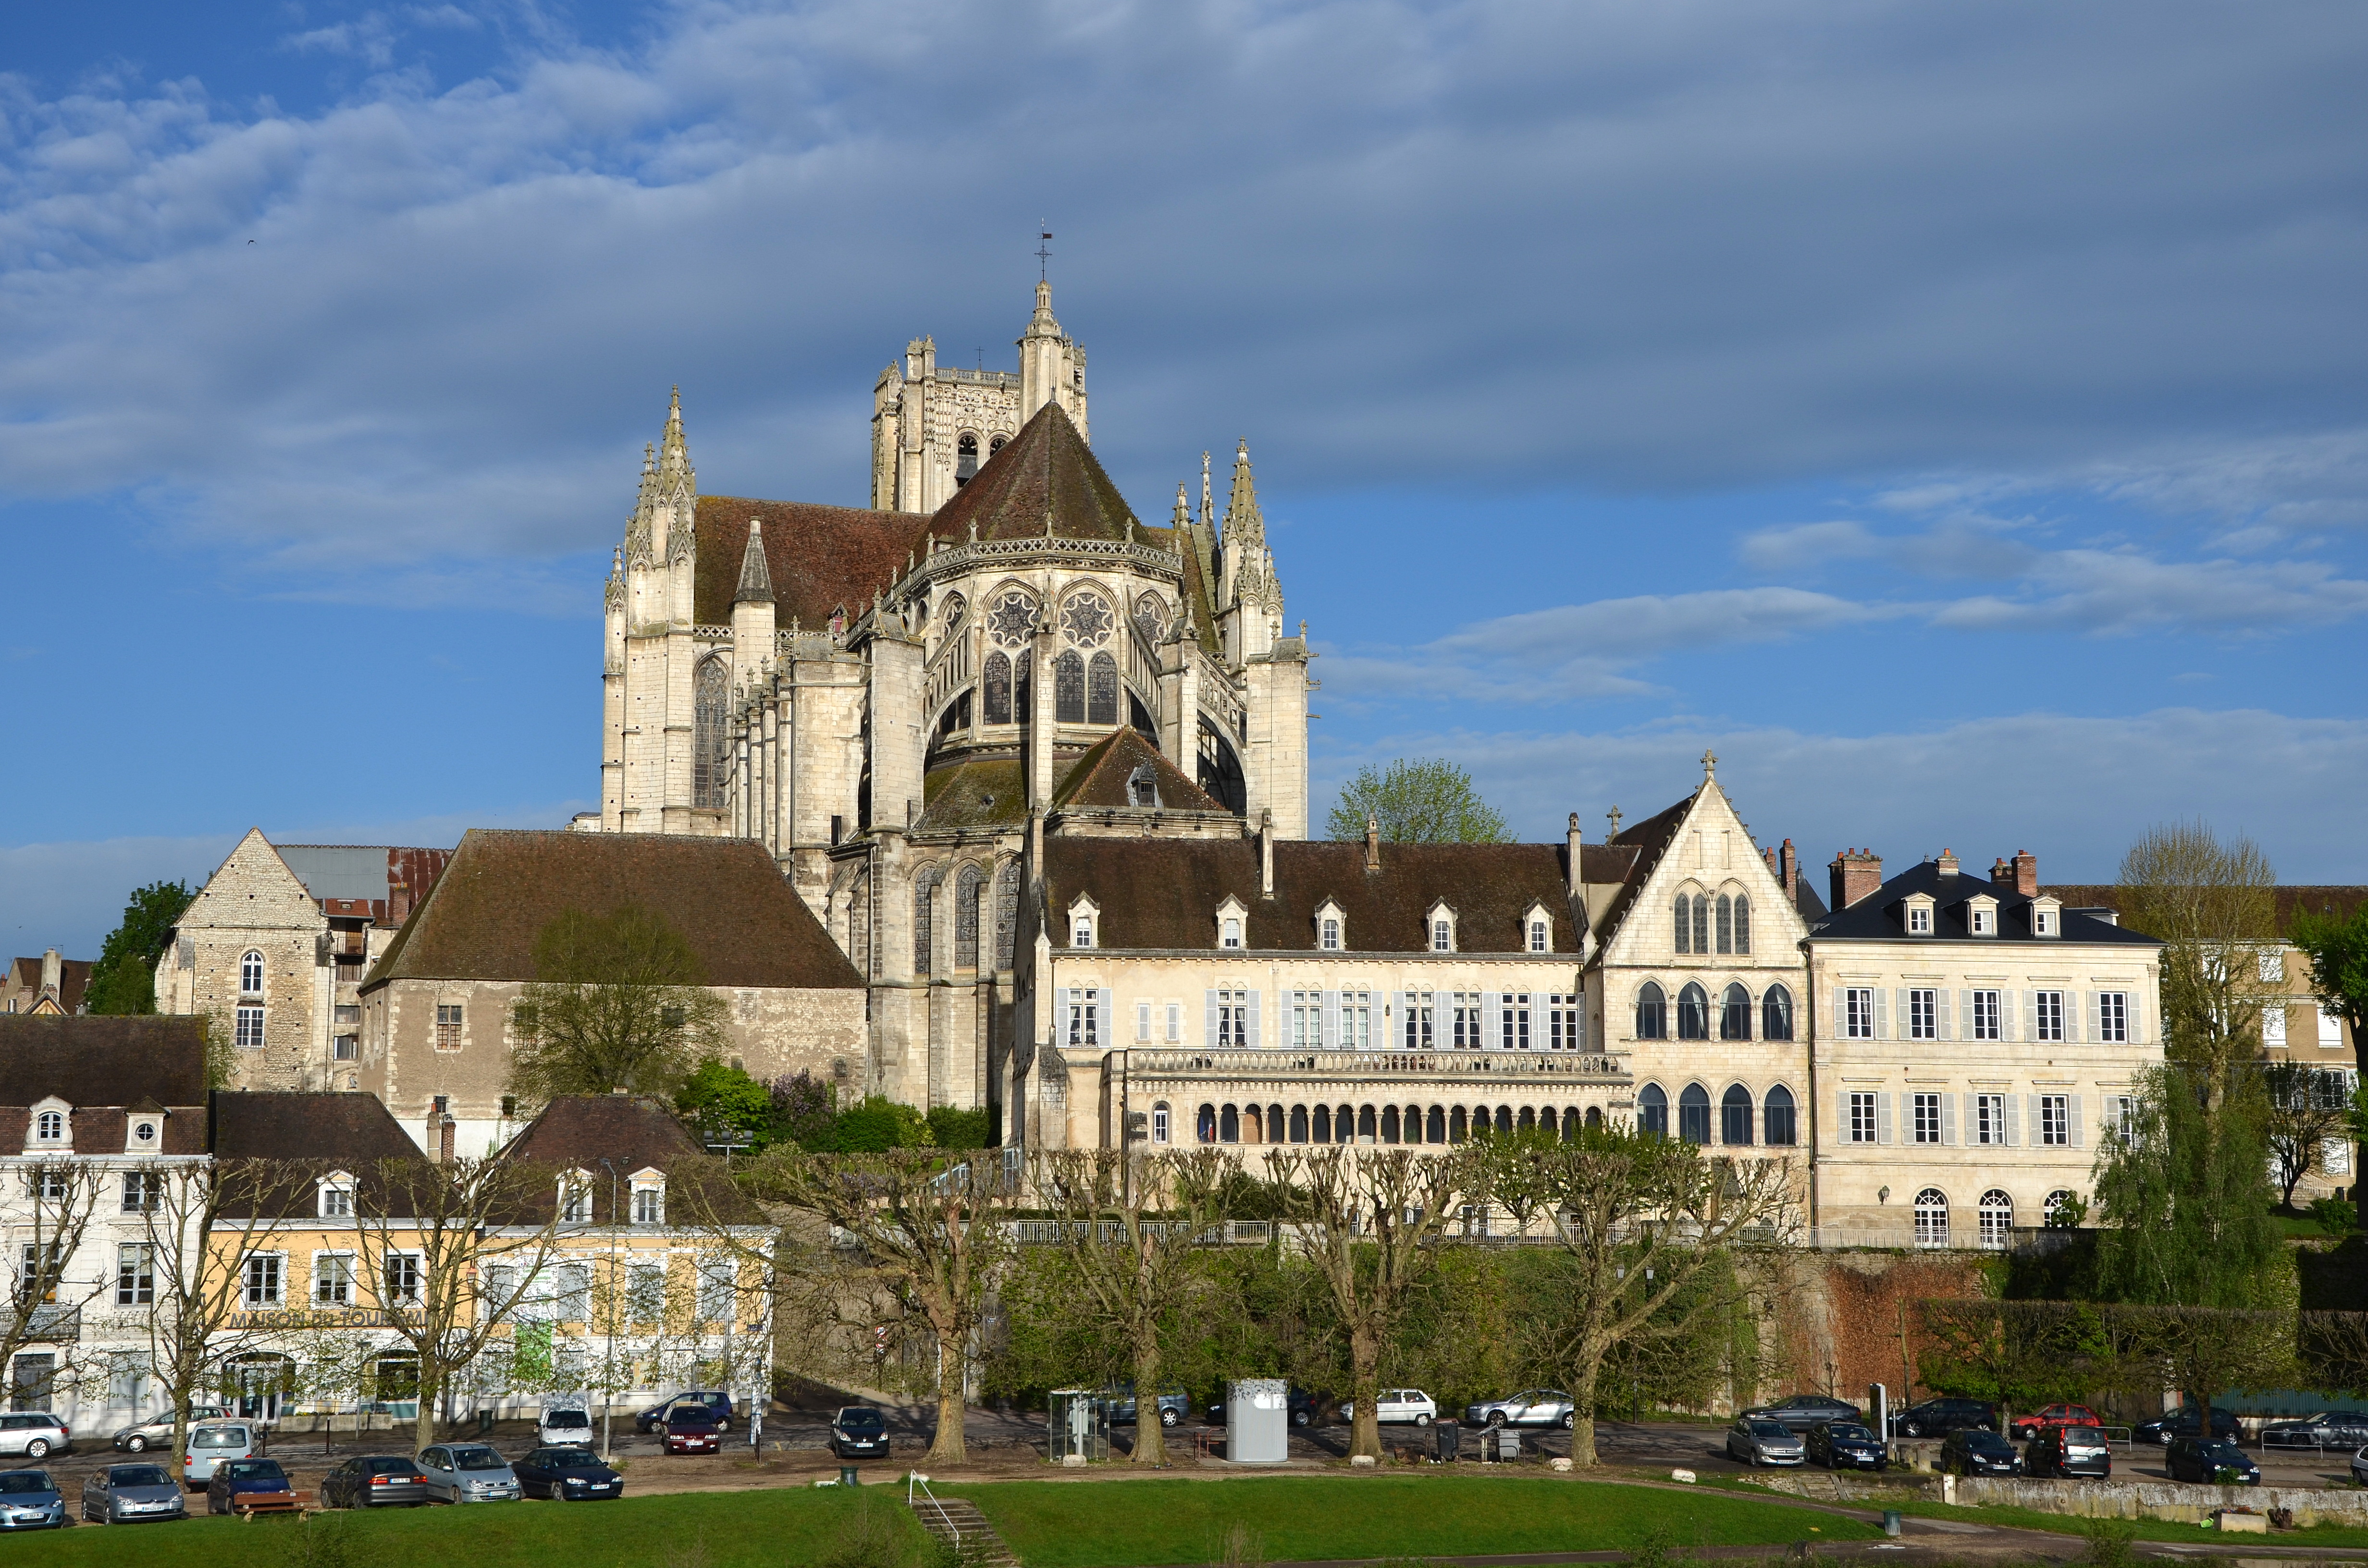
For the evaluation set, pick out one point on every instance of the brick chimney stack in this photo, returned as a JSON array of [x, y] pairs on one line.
[[2026, 873], [1854, 873], [2001, 872], [1790, 863], [1948, 862]]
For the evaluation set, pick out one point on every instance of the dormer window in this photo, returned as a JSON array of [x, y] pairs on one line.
[[1232, 919], [1232, 928], [1331, 934], [1143, 786], [337, 1196], [143, 1135], [2046, 917], [1981, 916], [576, 1198], [1537, 930], [649, 1203], [1537, 936], [49, 1126], [1920, 915], [1331, 927], [1084, 920], [1441, 929]]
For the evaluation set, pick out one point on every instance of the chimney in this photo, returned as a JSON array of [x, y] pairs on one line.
[[1948, 862], [1854, 874], [53, 972], [1265, 854], [2001, 872], [1373, 845], [444, 1141], [1571, 877], [2026, 873], [398, 904], [1790, 860]]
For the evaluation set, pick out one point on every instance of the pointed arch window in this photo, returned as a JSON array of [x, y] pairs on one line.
[[1735, 1014], [1684, 933], [1023, 685], [1726, 924], [1694, 1012], [1006, 912], [1779, 1121], [966, 894], [1693, 1114], [1702, 923], [965, 459], [1101, 690], [999, 688], [1742, 923], [1652, 1012], [925, 902], [1653, 1110], [710, 749], [1776, 1014], [1735, 1115], [1069, 689]]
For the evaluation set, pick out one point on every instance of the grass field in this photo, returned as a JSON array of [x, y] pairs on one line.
[[1122, 1524], [2067, 1524]]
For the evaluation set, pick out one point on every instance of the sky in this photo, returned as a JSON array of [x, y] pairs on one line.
[[1952, 417]]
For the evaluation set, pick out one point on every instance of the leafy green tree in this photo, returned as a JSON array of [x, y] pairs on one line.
[[875, 1124], [2213, 904], [804, 1112], [124, 979], [951, 1127], [619, 1002], [1415, 801], [2183, 1195], [723, 1102], [2337, 951]]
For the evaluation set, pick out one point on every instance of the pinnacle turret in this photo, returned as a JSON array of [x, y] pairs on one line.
[[673, 451], [755, 577], [1244, 526]]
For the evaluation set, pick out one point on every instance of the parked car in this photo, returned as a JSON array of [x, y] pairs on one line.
[[1305, 1408], [1972, 1450], [858, 1431], [157, 1430], [564, 1424], [567, 1472], [717, 1403], [2026, 1427], [2360, 1466], [1804, 1411], [1757, 1440], [36, 1434], [120, 1493], [1530, 1407], [2327, 1429], [235, 1476], [1175, 1405], [2202, 1458], [2068, 1450], [691, 1429], [2186, 1424], [1400, 1406], [468, 1472], [210, 1445], [1846, 1445], [1938, 1417], [374, 1481], [29, 1500]]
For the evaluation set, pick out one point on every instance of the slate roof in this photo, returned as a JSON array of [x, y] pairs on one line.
[[102, 1066], [817, 558], [725, 895], [2317, 898], [1099, 778], [1165, 892], [1881, 915], [1045, 472], [74, 979], [325, 1133], [632, 1133]]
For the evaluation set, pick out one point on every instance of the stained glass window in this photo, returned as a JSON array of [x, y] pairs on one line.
[[1101, 690], [1013, 619], [1088, 620]]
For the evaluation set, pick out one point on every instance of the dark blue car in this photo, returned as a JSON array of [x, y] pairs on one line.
[[567, 1474], [233, 1476]]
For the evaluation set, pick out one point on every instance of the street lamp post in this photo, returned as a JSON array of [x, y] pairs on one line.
[[608, 1355]]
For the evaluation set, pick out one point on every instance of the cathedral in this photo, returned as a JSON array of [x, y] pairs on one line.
[[902, 703]]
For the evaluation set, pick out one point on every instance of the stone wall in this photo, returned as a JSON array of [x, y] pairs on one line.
[[2176, 1501]]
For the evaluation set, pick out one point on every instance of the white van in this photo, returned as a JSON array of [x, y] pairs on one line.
[[210, 1445], [566, 1423]]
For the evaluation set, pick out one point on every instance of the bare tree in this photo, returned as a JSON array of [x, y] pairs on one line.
[[1649, 1224], [429, 1235], [924, 1228], [57, 1202], [1128, 1225], [2213, 905], [2305, 1109], [1367, 1220], [618, 1001]]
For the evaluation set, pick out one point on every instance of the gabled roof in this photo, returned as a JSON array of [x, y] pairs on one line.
[[1165, 892], [744, 922], [631, 1132], [817, 558], [102, 1061], [1630, 856], [74, 979], [982, 792], [318, 1133], [1099, 778], [1044, 474], [1879, 915]]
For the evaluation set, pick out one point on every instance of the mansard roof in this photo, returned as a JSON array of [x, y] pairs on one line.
[[631, 1133], [1099, 778], [1045, 473], [1879, 915], [725, 895], [817, 558], [1165, 892]]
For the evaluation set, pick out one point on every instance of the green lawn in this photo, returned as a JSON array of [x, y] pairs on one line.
[[736, 1529], [1122, 1524], [2067, 1524]]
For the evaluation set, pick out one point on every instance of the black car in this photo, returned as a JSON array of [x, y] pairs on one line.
[[2185, 1423], [2327, 1429], [2199, 1459], [2069, 1450], [718, 1403], [1938, 1417], [1846, 1445], [1804, 1411], [1971, 1451], [567, 1474], [1175, 1405], [858, 1431], [374, 1481], [233, 1476]]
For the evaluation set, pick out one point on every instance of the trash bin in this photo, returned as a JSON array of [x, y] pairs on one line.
[[847, 1476], [1890, 1521], [1509, 1444], [1451, 1440]]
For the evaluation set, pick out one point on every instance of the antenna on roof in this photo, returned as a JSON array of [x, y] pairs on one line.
[[1045, 257]]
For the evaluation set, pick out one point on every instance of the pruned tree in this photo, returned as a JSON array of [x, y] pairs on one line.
[[922, 1231], [1366, 1220], [618, 1001], [452, 1249], [1128, 1225], [1650, 1225], [1415, 801], [2303, 1110]]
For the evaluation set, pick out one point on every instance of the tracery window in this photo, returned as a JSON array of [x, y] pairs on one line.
[[1069, 689], [1694, 1012], [1684, 933], [924, 900], [1023, 685], [1151, 617], [1702, 923], [1742, 923], [1735, 1014], [1088, 620], [1219, 770], [966, 891], [710, 751], [1726, 924], [1006, 912], [999, 688], [1101, 690], [1013, 619], [965, 459]]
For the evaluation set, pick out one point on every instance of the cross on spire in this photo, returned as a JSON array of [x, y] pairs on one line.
[[1710, 763], [1614, 814], [1044, 256]]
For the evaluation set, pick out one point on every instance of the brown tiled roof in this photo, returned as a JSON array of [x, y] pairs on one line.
[[1046, 470], [986, 792], [819, 558], [1099, 778], [74, 979], [725, 895], [321, 1132], [1165, 892], [2315, 898], [102, 1061], [631, 1133]]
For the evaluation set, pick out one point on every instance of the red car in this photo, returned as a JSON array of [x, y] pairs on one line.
[[690, 1429], [2028, 1426]]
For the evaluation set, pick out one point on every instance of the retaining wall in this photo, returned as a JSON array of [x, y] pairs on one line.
[[2174, 1501]]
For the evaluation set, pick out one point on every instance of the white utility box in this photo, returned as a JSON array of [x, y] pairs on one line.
[[1257, 1421]]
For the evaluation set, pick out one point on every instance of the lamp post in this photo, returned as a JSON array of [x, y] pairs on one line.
[[609, 1354]]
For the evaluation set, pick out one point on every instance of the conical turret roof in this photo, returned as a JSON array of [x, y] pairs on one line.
[[756, 581], [1043, 484]]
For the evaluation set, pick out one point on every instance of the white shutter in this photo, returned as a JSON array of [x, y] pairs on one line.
[[1883, 1117], [2013, 1123], [2029, 1016], [1394, 1021], [1491, 1014], [2077, 1127], [1332, 1018], [1060, 1015], [1964, 1015], [1948, 1020], [1209, 1039], [1881, 1012], [1251, 1035], [1949, 1121]]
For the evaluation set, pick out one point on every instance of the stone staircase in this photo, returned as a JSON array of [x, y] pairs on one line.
[[958, 1522]]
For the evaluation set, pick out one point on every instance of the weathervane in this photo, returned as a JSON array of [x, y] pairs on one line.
[[1044, 258]]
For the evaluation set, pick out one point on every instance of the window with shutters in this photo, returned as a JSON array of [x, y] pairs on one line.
[[1142, 1023], [1232, 1020], [1982, 1017], [1085, 1016], [2047, 1007], [1417, 1031], [1923, 1012], [1513, 1019], [1563, 1014], [2055, 1121], [1356, 1020], [1926, 1127], [1307, 1019], [1931, 1218], [1467, 1020], [1989, 1118], [1858, 1012], [1175, 1022], [2125, 1109], [1864, 1128], [2113, 1017]]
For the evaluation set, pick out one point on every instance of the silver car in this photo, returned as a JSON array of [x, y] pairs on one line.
[[36, 1434], [211, 1444], [129, 1493], [1758, 1440], [29, 1500], [1530, 1407], [468, 1472], [157, 1430]]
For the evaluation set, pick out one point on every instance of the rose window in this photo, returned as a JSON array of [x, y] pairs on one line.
[[1013, 621], [1151, 617], [1088, 621]]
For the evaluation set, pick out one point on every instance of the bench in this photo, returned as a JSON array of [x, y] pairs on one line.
[[247, 1504]]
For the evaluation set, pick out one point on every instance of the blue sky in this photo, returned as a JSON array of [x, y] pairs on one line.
[[1953, 417]]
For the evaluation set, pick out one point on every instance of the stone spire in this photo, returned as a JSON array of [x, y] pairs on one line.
[[674, 452], [1244, 526], [756, 580]]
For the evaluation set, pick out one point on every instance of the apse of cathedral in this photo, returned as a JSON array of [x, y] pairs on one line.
[[901, 702]]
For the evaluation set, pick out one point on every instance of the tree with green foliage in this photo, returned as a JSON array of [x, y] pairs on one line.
[[875, 1124], [1415, 801], [618, 1001], [2337, 951], [804, 1112], [2213, 905], [123, 980], [2184, 1195], [725, 1106]]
